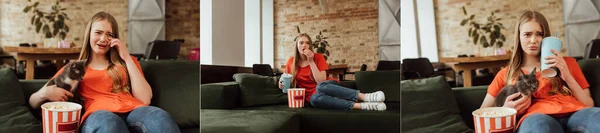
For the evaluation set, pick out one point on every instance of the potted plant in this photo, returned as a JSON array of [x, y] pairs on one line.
[[488, 34], [319, 44], [51, 23]]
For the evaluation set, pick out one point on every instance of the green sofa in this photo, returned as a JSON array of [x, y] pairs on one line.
[[175, 85], [467, 100], [236, 107]]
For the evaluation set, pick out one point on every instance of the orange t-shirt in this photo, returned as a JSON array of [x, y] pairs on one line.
[[304, 78], [96, 88], [542, 102]]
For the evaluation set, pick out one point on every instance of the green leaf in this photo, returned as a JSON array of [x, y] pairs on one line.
[[62, 35], [325, 37], [502, 37], [475, 39], [497, 27], [463, 22], [66, 28], [476, 26], [483, 40], [320, 33], [327, 52], [32, 19], [470, 31], [36, 4], [38, 26], [40, 14], [297, 29], [27, 8], [67, 17], [464, 10], [62, 9], [472, 16], [321, 50], [498, 19], [55, 31], [499, 44], [46, 28], [474, 32]]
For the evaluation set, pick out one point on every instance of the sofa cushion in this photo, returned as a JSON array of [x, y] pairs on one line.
[[386, 81], [175, 88], [223, 95], [590, 70], [249, 121], [428, 105], [14, 113], [259, 90], [326, 120]]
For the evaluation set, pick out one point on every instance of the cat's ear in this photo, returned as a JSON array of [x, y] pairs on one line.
[[521, 73], [532, 71]]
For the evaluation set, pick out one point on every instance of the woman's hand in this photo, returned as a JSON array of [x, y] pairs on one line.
[[53, 93], [520, 105], [280, 84], [123, 51], [559, 62], [309, 55]]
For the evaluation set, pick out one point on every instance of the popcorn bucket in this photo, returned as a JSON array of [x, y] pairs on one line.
[[495, 120], [295, 97], [61, 117]]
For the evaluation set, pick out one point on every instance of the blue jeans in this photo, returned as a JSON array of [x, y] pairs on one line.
[[583, 121], [331, 95], [147, 119]]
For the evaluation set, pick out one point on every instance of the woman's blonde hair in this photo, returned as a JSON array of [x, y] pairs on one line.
[[516, 62], [120, 80], [297, 55]]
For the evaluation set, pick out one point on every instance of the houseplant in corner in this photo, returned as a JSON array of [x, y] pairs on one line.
[[319, 44], [50, 23], [488, 34]]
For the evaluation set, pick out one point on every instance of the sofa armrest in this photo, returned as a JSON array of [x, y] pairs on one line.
[[30, 87], [469, 99], [223, 95]]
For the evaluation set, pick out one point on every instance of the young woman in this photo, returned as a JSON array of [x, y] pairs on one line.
[[560, 104], [308, 71], [115, 94]]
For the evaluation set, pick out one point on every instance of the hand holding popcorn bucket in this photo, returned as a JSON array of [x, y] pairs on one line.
[[295, 97], [495, 120], [60, 117]]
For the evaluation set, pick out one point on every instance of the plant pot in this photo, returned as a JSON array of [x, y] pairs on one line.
[[50, 42]]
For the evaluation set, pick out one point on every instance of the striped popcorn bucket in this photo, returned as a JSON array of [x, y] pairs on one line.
[[494, 120], [296, 97], [61, 117]]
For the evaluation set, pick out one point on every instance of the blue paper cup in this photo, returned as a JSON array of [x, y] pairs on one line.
[[287, 80], [549, 43]]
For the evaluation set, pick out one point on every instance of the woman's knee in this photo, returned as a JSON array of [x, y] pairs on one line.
[[539, 123], [324, 84], [103, 120], [316, 99], [152, 111]]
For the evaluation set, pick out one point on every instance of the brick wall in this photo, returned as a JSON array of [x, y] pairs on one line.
[[182, 20], [16, 26], [351, 26], [453, 39]]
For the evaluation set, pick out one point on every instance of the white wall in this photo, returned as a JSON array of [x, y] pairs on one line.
[[252, 32], [268, 48], [408, 30], [236, 32], [226, 35], [206, 32], [427, 33]]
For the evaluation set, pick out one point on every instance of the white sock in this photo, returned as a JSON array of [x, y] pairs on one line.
[[373, 106], [377, 96]]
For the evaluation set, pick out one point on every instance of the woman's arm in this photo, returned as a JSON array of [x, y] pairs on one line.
[[488, 101], [319, 75], [583, 95], [139, 86], [48, 93]]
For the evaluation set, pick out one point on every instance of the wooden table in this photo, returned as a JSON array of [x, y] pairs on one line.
[[31, 54], [338, 70], [466, 64]]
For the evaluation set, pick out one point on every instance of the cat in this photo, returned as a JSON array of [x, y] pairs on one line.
[[70, 77], [526, 84]]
